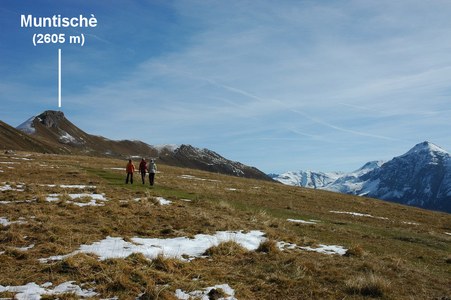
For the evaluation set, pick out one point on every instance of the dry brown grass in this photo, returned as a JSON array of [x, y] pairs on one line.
[[409, 251], [369, 285], [268, 246], [229, 248], [355, 250]]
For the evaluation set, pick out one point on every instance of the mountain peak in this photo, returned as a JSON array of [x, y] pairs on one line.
[[421, 177], [426, 147], [51, 118]]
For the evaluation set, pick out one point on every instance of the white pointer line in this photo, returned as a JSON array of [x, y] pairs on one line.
[[59, 78]]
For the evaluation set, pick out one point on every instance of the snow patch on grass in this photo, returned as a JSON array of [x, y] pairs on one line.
[[8, 187], [302, 221], [32, 291], [357, 214], [163, 201], [182, 248], [5, 222], [324, 249], [94, 198], [191, 177], [205, 293]]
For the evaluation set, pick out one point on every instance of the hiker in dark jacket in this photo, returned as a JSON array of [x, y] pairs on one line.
[[143, 169]]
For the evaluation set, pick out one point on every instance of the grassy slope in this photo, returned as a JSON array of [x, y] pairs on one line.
[[389, 258]]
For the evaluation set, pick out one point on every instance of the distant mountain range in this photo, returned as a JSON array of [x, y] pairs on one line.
[[52, 132], [421, 177]]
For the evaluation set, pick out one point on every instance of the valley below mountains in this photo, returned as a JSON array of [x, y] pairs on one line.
[[421, 177]]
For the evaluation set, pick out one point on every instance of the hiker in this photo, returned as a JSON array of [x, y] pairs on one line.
[[152, 167], [130, 168], [142, 169]]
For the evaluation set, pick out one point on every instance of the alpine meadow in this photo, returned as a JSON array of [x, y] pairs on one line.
[[70, 228]]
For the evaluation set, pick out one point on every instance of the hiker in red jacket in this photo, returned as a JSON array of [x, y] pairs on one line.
[[142, 169], [130, 168]]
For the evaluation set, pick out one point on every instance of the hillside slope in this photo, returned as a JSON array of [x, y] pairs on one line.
[[69, 224], [13, 139], [54, 128]]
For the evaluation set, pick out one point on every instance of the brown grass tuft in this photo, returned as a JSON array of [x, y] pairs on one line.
[[356, 251], [154, 292], [16, 253], [268, 246], [448, 260], [12, 236], [169, 265], [80, 265], [229, 248], [369, 285]]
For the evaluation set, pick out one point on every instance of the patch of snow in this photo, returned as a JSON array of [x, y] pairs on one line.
[[27, 126], [231, 189], [52, 197], [7, 187], [324, 249], [448, 233], [411, 223], [163, 201], [67, 138], [203, 295], [180, 247], [93, 202], [77, 186], [21, 158], [5, 222], [25, 248], [33, 291], [169, 147], [191, 177], [71, 186], [327, 249], [357, 214], [302, 221]]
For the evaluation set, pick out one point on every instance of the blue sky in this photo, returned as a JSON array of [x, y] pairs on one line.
[[286, 85]]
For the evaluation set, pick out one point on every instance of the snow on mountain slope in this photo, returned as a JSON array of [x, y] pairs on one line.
[[27, 126], [307, 178], [420, 177], [348, 183], [333, 181]]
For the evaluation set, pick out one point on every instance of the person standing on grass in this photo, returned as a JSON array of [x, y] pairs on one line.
[[143, 169], [152, 167], [130, 168]]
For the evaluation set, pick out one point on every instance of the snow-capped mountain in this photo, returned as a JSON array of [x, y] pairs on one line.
[[421, 177], [53, 128]]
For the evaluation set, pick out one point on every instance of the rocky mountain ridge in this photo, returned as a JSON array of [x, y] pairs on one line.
[[421, 177], [52, 128]]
